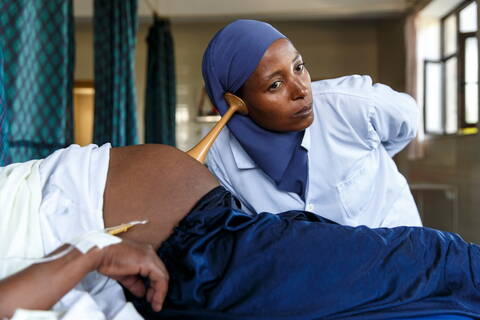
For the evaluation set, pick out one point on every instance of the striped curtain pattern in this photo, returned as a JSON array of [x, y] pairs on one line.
[[4, 156], [115, 26], [38, 43], [160, 95]]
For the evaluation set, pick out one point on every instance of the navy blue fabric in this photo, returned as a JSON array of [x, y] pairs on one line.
[[231, 57], [225, 264], [443, 317]]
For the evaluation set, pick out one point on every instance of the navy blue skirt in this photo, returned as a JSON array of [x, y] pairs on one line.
[[225, 264]]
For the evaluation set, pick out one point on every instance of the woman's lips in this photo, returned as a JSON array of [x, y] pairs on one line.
[[305, 111]]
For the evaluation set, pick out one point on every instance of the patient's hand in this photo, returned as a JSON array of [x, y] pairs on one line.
[[41, 285], [127, 261]]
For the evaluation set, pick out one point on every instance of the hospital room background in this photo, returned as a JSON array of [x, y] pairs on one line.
[[129, 72]]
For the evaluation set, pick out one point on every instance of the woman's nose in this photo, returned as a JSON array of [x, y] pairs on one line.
[[300, 89]]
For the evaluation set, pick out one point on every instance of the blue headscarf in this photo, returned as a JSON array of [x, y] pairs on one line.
[[231, 57]]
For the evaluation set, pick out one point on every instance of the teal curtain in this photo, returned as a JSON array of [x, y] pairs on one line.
[[115, 26], [38, 43], [4, 156], [160, 95]]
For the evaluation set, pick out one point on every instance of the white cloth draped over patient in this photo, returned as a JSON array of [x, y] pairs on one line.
[[50, 202], [20, 233]]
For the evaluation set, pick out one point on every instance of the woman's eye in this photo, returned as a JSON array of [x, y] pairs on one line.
[[300, 67], [274, 85]]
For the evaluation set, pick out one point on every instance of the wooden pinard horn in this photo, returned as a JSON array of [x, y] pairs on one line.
[[200, 151]]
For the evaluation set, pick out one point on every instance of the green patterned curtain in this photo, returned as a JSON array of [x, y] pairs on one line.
[[115, 26], [4, 157], [160, 95], [38, 42]]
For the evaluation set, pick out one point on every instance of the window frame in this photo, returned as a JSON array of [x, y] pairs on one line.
[[462, 81], [459, 54]]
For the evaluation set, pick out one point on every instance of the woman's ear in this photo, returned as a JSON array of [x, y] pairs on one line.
[[236, 103], [239, 92]]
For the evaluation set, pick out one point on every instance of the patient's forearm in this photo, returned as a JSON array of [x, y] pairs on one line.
[[40, 286]]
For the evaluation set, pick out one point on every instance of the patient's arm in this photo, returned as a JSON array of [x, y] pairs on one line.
[[52, 280], [153, 182]]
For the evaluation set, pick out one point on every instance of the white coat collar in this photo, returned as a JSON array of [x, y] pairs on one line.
[[243, 160], [306, 139]]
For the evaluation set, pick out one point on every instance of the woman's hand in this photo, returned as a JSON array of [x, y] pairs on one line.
[[127, 262]]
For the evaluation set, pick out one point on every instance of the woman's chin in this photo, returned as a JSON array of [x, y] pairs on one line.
[[305, 123]]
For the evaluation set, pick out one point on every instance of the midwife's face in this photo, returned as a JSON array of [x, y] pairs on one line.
[[278, 94]]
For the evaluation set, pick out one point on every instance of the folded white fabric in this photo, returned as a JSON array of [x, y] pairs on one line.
[[20, 234], [73, 181], [84, 308], [22, 314]]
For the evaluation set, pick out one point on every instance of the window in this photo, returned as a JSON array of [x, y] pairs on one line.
[[451, 81]]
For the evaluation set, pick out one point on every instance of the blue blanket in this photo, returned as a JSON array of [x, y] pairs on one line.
[[225, 264]]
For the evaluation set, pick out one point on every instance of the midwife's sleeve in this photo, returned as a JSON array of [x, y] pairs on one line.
[[394, 117]]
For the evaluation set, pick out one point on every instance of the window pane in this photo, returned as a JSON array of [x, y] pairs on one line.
[[471, 80], [450, 35], [468, 18], [471, 60], [471, 103], [451, 95], [428, 40], [433, 101]]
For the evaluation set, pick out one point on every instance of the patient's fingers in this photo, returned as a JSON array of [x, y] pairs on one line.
[[128, 260], [134, 284], [158, 287], [159, 277]]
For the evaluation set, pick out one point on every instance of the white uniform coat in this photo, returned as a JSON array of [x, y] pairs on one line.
[[352, 179]]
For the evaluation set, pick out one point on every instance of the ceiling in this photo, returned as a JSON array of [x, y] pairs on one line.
[[268, 9]]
